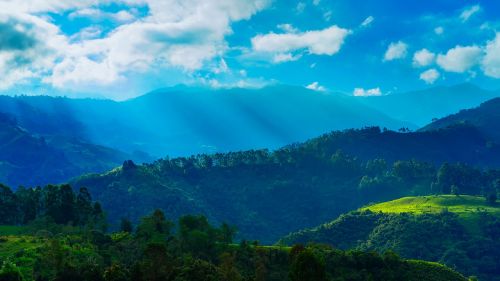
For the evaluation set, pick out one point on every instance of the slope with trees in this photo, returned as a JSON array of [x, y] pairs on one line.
[[459, 231]]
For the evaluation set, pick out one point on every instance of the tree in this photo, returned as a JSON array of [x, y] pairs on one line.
[[9, 213], [306, 266], [116, 273], [154, 228], [83, 206], [126, 225], [227, 233], [491, 198], [10, 272]]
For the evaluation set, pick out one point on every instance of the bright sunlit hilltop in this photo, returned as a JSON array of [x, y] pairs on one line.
[[463, 205]]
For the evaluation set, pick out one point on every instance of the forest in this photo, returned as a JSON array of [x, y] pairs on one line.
[[65, 239], [271, 193]]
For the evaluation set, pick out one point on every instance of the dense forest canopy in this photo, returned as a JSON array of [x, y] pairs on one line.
[[271, 193], [191, 249]]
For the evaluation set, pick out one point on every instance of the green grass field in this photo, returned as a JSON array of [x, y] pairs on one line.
[[463, 205]]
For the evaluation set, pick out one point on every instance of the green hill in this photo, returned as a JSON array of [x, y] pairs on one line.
[[464, 205], [268, 194], [462, 232]]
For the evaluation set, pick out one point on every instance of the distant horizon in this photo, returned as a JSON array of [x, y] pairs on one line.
[[207, 88]]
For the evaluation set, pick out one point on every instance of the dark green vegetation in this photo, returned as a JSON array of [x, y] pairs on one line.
[[32, 159], [269, 194], [486, 118], [52, 203], [191, 250], [462, 232], [421, 107]]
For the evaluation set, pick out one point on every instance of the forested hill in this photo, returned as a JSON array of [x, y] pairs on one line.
[[460, 231], [57, 235], [28, 159], [486, 118], [420, 107], [269, 194]]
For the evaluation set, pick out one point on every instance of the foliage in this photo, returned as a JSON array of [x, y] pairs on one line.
[[459, 231]]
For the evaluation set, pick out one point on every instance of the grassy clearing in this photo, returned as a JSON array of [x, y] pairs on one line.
[[463, 205], [11, 230], [21, 250]]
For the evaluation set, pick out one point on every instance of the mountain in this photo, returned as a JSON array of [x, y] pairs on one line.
[[31, 159], [420, 107], [270, 193], [486, 118], [182, 121], [459, 231]]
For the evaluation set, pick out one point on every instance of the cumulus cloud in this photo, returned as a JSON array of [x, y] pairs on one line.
[[186, 35], [469, 12], [368, 21], [439, 30], [491, 59], [285, 57], [315, 86], [317, 42], [360, 92], [396, 51], [430, 76], [423, 57], [460, 59], [288, 28], [97, 14]]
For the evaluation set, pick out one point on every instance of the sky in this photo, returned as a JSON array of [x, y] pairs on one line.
[[120, 49]]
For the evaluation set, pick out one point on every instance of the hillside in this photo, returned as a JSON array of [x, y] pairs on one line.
[[460, 231], [30, 160], [181, 121], [420, 107], [486, 118], [268, 194], [465, 206]]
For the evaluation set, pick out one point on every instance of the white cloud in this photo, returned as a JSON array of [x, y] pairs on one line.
[[439, 30], [460, 59], [360, 92], [316, 2], [288, 28], [423, 57], [285, 57], [187, 35], [301, 6], [430, 76], [328, 15], [396, 51], [469, 12], [491, 60], [368, 21], [317, 42], [94, 13], [315, 86]]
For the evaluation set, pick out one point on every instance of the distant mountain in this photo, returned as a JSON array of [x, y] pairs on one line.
[[184, 121], [459, 231], [421, 107], [486, 118], [269, 193], [31, 159]]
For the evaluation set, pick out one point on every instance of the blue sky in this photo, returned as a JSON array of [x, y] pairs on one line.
[[121, 49]]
